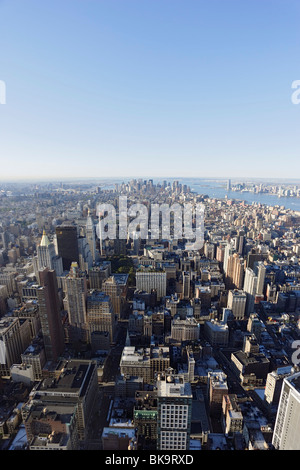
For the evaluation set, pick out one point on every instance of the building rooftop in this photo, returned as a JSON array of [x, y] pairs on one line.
[[294, 380], [71, 379], [6, 322], [218, 379], [45, 240], [173, 386], [119, 432]]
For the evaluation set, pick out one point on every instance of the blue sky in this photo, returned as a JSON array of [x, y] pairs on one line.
[[150, 88]]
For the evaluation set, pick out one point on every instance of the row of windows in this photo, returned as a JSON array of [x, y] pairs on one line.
[[173, 440], [171, 424], [173, 434]]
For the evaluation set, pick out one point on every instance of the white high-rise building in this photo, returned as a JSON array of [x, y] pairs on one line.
[[250, 286], [47, 257], [147, 280], [274, 385], [174, 397], [287, 426], [261, 274], [237, 303]]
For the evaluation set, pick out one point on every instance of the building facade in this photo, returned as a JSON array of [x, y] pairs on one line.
[[174, 400], [287, 425]]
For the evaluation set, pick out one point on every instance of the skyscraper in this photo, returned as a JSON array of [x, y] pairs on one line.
[[237, 303], [174, 406], [234, 275], [49, 311], [287, 425], [274, 385], [91, 236], [100, 314], [147, 280], [229, 251], [250, 286], [75, 302], [47, 257], [261, 274], [67, 245]]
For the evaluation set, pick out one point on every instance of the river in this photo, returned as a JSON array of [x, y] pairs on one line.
[[217, 189]]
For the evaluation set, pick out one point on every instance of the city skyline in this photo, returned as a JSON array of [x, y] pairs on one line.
[[146, 343], [162, 89]]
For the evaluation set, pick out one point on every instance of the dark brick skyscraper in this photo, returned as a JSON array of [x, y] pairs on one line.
[[49, 309], [67, 245]]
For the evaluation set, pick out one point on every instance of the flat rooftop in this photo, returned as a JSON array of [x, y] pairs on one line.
[[173, 386], [294, 380], [70, 380]]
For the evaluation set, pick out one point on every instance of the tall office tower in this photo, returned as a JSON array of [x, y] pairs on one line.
[[85, 255], [261, 274], [49, 311], [220, 252], [90, 233], [67, 245], [274, 385], [250, 286], [174, 407], [75, 302], [186, 283], [47, 257], [11, 345], [228, 185], [150, 280], [238, 271], [230, 265], [116, 287], [287, 426], [241, 243], [229, 251], [255, 326], [100, 314], [237, 303]]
